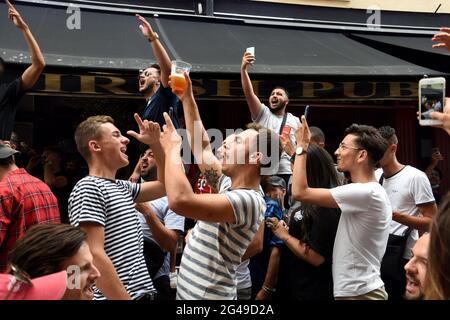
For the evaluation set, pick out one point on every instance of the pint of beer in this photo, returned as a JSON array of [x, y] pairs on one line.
[[177, 80]]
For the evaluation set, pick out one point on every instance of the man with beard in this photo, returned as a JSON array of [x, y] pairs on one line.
[[274, 116], [11, 93], [416, 269], [153, 81]]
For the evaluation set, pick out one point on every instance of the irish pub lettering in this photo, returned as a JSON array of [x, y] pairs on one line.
[[111, 84]]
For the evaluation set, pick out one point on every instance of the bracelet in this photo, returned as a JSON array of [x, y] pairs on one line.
[[155, 36], [268, 290]]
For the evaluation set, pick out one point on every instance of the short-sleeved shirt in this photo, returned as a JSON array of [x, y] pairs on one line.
[[164, 100], [406, 190], [268, 120], [209, 261], [361, 238], [24, 202], [299, 279], [110, 204], [170, 220], [10, 94]]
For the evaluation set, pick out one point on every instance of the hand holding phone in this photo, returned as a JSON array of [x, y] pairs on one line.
[[306, 113], [431, 99], [251, 50]]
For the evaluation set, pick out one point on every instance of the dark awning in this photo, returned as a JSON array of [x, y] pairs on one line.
[[113, 40]]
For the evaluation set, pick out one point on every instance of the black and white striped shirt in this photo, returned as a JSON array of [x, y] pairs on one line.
[[209, 262], [111, 204]]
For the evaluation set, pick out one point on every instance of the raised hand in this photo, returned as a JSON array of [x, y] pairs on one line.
[[247, 60], [443, 116], [149, 132], [15, 16], [443, 38], [145, 27], [303, 135], [170, 139]]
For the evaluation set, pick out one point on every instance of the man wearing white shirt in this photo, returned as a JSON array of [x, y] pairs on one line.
[[413, 206]]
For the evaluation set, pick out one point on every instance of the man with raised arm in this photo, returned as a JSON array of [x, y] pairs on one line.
[[363, 228], [274, 116], [154, 81], [103, 207], [10, 93], [227, 221]]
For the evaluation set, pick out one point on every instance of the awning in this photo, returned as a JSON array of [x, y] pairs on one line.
[[113, 41]]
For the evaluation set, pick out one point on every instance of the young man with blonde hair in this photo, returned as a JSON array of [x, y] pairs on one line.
[[103, 207]]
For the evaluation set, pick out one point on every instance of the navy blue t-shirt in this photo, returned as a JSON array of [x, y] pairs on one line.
[[164, 100], [10, 95]]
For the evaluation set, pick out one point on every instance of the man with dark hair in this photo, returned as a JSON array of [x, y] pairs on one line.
[[227, 221], [46, 249], [317, 136], [413, 206], [366, 213], [274, 116], [153, 81], [24, 201], [11, 93]]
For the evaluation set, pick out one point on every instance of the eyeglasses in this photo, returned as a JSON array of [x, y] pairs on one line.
[[343, 147], [144, 72], [20, 276]]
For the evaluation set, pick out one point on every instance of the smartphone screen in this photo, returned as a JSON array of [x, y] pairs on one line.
[[431, 99], [251, 50]]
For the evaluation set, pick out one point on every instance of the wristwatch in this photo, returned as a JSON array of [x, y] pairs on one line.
[[298, 152], [153, 37]]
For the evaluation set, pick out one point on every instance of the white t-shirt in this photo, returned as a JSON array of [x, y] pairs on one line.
[[361, 238], [170, 220], [268, 120], [244, 280], [407, 189]]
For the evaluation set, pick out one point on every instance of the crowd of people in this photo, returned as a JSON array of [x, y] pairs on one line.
[[268, 216]]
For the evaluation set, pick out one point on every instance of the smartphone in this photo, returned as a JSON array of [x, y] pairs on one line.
[[306, 113], [431, 98], [251, 50]]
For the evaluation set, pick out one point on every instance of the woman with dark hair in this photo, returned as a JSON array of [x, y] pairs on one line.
[[305, 266], [438, 278]]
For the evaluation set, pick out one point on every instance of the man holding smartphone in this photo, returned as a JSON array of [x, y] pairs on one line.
[[273, 116]]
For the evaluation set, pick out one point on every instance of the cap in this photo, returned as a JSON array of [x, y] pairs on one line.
[[49, 287], [6, 151], [277, 181]]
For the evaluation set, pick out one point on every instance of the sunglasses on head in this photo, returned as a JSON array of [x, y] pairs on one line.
[[20, 277]]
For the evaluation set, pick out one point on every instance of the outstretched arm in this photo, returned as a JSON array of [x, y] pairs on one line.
[[254, 104], [158, 50], [182, 200], [198, 138], [300, 189], [32, 73]]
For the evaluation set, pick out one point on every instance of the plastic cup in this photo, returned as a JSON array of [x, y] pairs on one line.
[[177, 80]]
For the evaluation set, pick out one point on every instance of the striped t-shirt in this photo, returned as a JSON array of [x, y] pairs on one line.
[[111, 204], [209, 261]]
